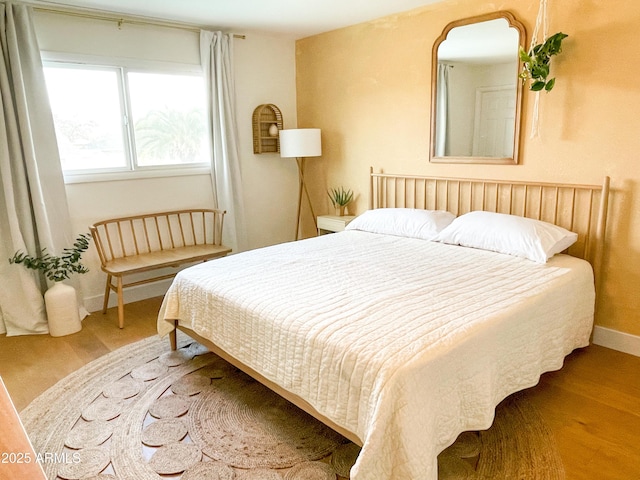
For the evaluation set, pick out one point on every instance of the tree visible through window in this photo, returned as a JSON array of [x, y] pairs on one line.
[[167, 136], [111, 119], [169, 118]]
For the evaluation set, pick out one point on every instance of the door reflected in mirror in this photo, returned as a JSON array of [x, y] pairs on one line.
[[476, 92]]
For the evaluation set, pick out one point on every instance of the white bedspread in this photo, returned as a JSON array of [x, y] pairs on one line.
[[404, 342]]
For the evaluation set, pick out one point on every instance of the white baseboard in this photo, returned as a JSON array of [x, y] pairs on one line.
[[132, 294], [621, 341]]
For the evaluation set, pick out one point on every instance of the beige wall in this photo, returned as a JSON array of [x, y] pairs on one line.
[[368, 88]]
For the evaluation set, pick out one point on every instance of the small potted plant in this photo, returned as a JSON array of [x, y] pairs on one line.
[[536, 62], [340, 198], [60, 299]]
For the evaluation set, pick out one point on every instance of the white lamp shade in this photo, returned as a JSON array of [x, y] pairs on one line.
[[300, 142]]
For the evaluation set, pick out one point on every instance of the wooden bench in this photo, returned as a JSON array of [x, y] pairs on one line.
[[153, 241]]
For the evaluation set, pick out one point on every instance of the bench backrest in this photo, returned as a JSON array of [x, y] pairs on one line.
[[153, 232]]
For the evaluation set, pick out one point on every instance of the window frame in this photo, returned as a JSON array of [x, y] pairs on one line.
[[122, 66]]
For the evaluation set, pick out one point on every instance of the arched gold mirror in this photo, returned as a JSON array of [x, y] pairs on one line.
[[476, 95]]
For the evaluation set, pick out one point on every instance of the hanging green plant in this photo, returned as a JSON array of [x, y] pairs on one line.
[[537, 62], [57, 268]]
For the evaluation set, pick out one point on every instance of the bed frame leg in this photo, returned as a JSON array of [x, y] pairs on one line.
[[173, 337]]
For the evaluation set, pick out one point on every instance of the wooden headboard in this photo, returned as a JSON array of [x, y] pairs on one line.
[[579, 208]]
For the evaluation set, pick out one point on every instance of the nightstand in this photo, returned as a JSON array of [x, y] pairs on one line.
[[333, 223]]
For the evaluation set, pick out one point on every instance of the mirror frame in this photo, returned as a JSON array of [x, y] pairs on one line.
[[513, 23]]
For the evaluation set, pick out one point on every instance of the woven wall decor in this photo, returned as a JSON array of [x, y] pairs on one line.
[[267, 123]]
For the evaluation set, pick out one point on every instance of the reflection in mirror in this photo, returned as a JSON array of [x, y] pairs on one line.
[[476, 94]]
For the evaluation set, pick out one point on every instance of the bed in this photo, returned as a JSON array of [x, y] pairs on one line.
[[397, 337]]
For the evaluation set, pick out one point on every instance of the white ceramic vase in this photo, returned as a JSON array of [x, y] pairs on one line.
[[63, 314]]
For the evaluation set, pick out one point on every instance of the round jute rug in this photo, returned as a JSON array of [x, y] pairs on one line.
[[144, 412]]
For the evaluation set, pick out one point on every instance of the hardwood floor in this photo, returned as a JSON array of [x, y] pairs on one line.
[[31, 364], [592, 405]]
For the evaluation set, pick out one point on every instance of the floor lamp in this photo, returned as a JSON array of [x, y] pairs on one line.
[[301, 143]]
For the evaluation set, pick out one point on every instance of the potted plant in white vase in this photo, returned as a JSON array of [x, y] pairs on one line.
[[340, 198], [60, 299]]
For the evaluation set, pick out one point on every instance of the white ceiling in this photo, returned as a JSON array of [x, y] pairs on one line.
[[296, 18]]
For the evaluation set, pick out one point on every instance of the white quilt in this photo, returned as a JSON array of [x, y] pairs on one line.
[[404, 342]]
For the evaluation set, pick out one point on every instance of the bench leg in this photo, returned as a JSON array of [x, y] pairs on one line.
[[107, 292], [120, 304]]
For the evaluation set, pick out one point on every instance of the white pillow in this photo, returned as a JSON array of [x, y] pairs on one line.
[[402, 222], [510, 234]]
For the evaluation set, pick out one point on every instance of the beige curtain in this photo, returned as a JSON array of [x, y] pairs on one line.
[[33, 206], [216, 56]]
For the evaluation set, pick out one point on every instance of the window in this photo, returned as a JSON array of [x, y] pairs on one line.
[[113, 119], [169, 121]]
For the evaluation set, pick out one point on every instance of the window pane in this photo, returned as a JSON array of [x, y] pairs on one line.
[[168, 118], [87, 117]]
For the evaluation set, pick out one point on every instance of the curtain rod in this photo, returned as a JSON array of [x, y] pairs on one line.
[[119, 19]]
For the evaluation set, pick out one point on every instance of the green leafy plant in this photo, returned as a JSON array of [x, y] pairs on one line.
[[537, 62], [340, 197], [57, 268]]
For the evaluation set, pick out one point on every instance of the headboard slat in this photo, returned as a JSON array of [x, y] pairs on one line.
[[579, 208]]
